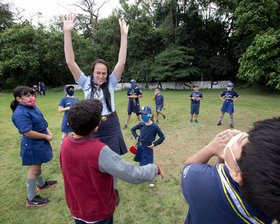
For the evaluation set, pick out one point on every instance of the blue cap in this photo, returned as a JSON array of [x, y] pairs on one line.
[[230, 84], [195, 85], [132, 81], [145, 110], [68, 86]]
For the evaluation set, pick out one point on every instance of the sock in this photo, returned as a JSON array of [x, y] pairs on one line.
[[221, 117], [62, 140], [115, 182], [40, 179], [125, 124], [31, 188], [231, 118]]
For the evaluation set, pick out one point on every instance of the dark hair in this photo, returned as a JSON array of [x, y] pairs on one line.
[[20, 91], [104, 86], [260, 167], [84, 116]]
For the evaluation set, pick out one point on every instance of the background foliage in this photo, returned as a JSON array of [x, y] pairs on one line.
[[169, 40]]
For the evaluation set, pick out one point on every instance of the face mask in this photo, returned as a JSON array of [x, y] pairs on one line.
[[156, 93], [70, 92], [29, 102], [229, 146], [132, 85], [229, 88], [146, 118]]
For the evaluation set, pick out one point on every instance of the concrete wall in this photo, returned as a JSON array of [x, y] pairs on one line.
[[172, 85]]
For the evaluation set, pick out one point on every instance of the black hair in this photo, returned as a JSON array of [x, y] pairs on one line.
[[20, 91], [84, 116], [104, 86], [260, 167]]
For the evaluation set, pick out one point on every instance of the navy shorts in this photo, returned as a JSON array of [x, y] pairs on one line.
[[195, 108], [228, 107], [133, 107], [159, 107]]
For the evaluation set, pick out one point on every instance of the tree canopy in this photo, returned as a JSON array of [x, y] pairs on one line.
[[169, 40]]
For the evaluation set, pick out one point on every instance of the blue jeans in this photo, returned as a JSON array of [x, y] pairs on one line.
[[105, 221]]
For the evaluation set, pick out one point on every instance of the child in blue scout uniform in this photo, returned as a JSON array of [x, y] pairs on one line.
[[195, 98], [146, 139], [227, 96], [243, 189], [133, 95], [100, 85], [64, 106], [160, 104], [35, 142]]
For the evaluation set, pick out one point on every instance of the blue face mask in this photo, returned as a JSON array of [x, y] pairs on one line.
[[70, 92], [156, 93], [146, 118], [132, 85]]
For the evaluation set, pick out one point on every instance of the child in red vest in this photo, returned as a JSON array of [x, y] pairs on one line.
[[88, 167]]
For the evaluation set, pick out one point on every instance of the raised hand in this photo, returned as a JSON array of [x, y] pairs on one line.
[[123, 27], [69, 23]]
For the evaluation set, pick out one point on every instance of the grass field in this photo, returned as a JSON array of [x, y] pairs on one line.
[[139, 204]]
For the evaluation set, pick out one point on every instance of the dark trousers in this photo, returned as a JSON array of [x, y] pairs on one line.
[[105, 221]]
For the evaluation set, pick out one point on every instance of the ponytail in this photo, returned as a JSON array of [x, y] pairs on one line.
[[14, 105]]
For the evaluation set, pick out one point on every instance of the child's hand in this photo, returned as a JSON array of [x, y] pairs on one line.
[[151, 146], [123, 27], [220, 141], [137, 138], [49, 137], [162, 173]]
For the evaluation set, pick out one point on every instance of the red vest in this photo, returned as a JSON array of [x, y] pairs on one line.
[[89, 193]]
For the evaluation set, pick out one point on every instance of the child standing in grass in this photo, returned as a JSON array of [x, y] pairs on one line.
[[64, 106], [89, 166], [160, 104], [195, 98], [146, 139], [35, 142], [228, 97]]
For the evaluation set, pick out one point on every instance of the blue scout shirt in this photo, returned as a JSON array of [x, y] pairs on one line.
[[159, 100], [148, 134], [229, 95], [67, 102], [214, 197], [196, 95], [136, 92], [33, 151], [84, 82]]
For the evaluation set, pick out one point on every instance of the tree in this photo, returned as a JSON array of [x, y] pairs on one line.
[[261, 61], [174, 64], [6, 17]]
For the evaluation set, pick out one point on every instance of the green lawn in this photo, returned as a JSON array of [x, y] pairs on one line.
[[139, 203]]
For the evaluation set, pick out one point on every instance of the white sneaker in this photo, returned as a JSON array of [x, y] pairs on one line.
[[152, 184]]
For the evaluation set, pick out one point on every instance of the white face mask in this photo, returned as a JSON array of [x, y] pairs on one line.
[[229, 145], [229, 88]]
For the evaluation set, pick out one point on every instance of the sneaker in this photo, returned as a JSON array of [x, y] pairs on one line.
[[219, 123], [195, 121], [164, 117], [125, 126], [152, 183], [37, 201], [231, 125], [47, 184], [117, 196], [191, 121]]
